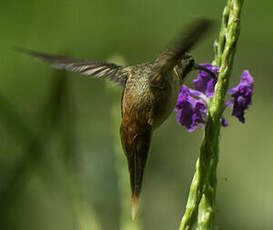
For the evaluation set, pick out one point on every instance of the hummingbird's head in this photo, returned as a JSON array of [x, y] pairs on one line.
[[186, 64]]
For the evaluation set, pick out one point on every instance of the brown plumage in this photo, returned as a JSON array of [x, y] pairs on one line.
[[149, 94]]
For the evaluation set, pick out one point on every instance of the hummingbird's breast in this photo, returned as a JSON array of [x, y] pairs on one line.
[[164, 97]]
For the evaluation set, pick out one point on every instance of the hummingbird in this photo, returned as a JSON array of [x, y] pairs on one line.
[[149, 93]]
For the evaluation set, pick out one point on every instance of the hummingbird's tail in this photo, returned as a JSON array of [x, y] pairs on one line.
[[136, 147]]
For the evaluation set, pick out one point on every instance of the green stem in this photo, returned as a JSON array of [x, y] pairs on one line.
[[202, 194], [190, 215]]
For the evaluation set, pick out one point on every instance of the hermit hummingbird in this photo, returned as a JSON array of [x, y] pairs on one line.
[[149, 93]]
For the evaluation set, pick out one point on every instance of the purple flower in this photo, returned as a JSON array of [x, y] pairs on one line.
[[224, 122], [205, 82], [241, 95], [189, 111], [191, 106]]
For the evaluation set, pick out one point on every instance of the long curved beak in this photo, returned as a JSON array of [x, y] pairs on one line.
[[199, 67]]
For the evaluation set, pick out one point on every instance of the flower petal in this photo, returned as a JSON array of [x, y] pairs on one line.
[[242, 95], [224, 122], [205, 82], [190, 111]]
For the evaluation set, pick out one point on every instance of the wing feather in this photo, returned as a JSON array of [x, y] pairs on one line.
[[97, 69], [183, 43]]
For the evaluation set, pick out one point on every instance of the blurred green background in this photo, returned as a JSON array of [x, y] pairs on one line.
[[60, 164]]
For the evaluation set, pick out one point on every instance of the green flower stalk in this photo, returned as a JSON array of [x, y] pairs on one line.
[[200, 209]]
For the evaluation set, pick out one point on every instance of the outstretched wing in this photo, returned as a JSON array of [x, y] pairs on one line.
[[183, 43], [97, 69]]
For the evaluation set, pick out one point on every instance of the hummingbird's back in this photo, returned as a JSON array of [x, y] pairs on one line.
[[144, 103], [136, 97]]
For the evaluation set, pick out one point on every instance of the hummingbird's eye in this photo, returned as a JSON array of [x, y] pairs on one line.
[[187, 56], [185, 65], [187, 61]]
